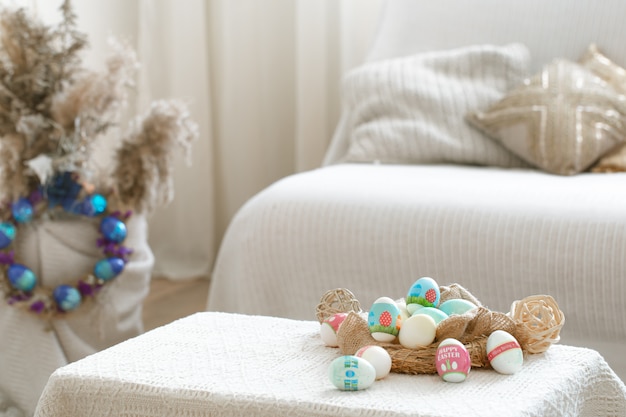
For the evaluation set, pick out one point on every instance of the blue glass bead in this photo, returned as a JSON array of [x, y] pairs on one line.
[[7, 234], [109, 268], [67, 297], [93, 205], [22, 210], [21, 278], [113, 229]]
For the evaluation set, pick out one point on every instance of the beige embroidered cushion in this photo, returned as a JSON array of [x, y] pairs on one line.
[[615, 76], [411, 109], [561, 120]]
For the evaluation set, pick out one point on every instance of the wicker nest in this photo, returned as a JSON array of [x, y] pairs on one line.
[[534, 321]]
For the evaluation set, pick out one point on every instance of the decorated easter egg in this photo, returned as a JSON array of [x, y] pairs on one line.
[[425, 292], [67, 298], [453, 361], [7, 234], [330, 327], [456, 306], [435, 313], [22, 210], [108, 268], [21, 278], [504, 352], [351, 373], [384, 319], [418, 330], [113, 229], [378, 357]]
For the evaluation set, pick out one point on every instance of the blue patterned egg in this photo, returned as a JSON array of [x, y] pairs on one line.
[[21, 278], [425, 292], [7, 234], [93, 205], [108, 268], [22, 210], [113, 229], [67, 297], [351, 373], [384, 319]]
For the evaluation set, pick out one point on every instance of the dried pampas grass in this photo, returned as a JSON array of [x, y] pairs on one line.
[[143, 174], [52, 112]]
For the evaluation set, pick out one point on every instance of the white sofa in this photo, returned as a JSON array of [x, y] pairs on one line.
[[502, 232]]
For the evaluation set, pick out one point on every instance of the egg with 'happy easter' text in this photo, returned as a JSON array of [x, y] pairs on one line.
[[351, 373], [453, 361], [330, 327], [424, 292], [504, 352], [384, 319]]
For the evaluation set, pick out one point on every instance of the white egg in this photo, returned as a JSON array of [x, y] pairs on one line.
[[418, 330], [504, 352], [351, 373], [378, 357]]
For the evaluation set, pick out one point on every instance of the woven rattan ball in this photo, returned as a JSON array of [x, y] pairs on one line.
[[339, 300], [539, 321]]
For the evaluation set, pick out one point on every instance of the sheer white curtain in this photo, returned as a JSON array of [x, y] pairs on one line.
[[262, 78]]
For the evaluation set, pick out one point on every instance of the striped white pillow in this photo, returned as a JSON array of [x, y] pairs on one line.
[[411, 110]]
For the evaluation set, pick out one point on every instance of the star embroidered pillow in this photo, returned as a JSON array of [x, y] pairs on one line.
[[615, 75], [561, 120]]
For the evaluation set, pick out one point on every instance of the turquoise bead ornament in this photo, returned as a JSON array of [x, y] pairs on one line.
[[18, 283], [67, 297], [107, 269], [113, 229], [22, 210], [7, 234], [93, 205], [21, 278]]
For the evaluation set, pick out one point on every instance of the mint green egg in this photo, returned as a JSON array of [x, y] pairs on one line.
[[435, 313], [456, 306]]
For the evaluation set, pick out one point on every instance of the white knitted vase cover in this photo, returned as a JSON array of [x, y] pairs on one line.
[[59, 252]]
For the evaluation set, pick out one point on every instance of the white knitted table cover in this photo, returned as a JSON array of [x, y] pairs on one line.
[[219, 364]]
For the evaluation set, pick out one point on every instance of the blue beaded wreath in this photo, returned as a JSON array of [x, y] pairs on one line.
[[21, 286]]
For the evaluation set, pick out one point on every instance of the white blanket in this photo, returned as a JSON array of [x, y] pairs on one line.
[[375, 229], [212, 364]]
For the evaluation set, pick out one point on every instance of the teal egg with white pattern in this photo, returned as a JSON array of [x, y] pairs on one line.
[[351, 373]]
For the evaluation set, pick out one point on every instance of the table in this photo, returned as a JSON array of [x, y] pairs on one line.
[[219, 364]]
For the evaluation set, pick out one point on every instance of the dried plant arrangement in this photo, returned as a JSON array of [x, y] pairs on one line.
[[53, 111]]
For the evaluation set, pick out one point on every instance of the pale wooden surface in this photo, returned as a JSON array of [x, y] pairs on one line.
[[171, 300]]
